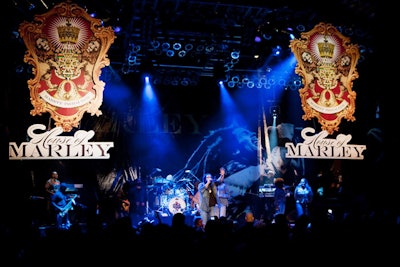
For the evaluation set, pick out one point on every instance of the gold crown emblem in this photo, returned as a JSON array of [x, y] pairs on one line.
[[326, 49], [68, 33]]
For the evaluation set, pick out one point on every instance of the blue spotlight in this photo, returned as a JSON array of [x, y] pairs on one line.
[[117, 29], [276, 51], [257, 39]]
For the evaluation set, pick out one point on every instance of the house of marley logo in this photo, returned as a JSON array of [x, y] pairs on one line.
[[67, 48], [327, 63]]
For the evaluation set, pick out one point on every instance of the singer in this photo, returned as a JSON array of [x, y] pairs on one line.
[[208, 198]]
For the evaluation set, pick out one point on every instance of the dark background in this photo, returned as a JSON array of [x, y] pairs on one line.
[[227, 26]]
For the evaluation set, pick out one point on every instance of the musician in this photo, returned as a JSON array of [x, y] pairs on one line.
[[223, 193], [122, 202], [280, 196], [63, 203], [303, 195], [208, 198], [51, 186]]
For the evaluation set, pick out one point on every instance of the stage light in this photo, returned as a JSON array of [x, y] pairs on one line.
[[276, 51], [300, 28], [231, 84], [176, 46], [170, 53], [19, 69], [165, 46], [235, 79], [188, 47], [267, 36], [155, 44], [132, 60], [117, 29], [209, 48], [282, 82], [175, 82], [184, 82], [274, 110], [182, 53], [297, 83], [136, 48], [235, 55], [200, 48]]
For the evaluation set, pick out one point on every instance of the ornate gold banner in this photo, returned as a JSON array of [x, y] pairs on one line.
[[67, 49], [326, 61]]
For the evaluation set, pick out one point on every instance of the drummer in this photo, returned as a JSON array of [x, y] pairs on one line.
[[169, 185]]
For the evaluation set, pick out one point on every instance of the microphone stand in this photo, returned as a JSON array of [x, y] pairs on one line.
[[194, 176]]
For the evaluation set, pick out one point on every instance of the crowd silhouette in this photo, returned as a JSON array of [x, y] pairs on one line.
[[353, 235]]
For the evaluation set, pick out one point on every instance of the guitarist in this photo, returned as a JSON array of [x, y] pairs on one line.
[[62, 203]]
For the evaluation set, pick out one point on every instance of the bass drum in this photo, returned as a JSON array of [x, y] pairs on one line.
[[176, 205]]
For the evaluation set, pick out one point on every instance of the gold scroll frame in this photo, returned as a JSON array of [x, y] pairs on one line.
[[326, 61], [67, 49]]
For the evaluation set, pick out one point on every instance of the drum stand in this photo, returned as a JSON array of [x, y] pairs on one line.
[[149, 210]]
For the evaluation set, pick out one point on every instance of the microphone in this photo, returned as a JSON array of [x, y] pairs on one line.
[[187, 171]]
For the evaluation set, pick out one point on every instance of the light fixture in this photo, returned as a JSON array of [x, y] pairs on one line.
[[231, 84], [165, 46], [209, 48], [200, 48], [276, 51], [235, 79], [300, 28], [188, 47], [182, 53], [235, 55], [274, 110], [155, 44], [170, 53], [176, 46]]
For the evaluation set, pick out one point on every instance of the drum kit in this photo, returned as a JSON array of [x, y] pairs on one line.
[[171, 196]]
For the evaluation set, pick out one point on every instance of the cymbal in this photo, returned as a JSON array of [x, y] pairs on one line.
[[161, 181], [184, 180]]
